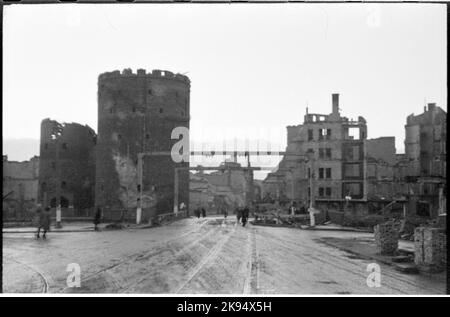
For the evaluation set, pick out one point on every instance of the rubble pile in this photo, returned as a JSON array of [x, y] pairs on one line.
[[430, 245], [386, 238]]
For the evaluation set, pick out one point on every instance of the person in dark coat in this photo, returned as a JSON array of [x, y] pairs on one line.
[[224, 211], [245, 214], [203, 212], [197, 212], [43, 222], [97, 216]]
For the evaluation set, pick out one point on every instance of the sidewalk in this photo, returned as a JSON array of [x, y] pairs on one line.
[[66, 227], [335, 227], [365, 248]]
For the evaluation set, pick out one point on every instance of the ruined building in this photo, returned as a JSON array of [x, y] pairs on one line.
[[331, 157], [136, 115], [20, 188], [67, 167], [423, 167]]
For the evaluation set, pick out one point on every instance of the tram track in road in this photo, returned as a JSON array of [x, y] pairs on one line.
[[340, 264], [206, 259], [251, 280], [343, 263], [157, 248], [43, 278]]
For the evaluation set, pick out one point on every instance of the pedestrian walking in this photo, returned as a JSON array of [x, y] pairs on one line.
[[43, 222], [203, 212], [238, 214], [97, 216], [245, 214], [225, 212]]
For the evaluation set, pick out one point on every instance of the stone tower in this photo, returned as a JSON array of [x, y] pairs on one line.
[[136, 114], [67, 167]]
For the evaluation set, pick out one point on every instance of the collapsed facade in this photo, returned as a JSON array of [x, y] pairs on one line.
[[330, 158], [423, 168], [67, 167], [20, 188], [137, 113]]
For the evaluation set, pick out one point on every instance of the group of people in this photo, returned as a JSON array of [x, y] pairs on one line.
[[242, 214], [200, 212]]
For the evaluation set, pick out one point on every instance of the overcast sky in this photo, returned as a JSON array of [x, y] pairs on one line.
[[253, 68]]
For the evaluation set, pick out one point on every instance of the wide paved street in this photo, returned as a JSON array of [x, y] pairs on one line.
[[207, 255]]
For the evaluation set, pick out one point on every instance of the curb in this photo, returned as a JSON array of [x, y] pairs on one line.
[[338, 229], [312, 229], [50, 231]]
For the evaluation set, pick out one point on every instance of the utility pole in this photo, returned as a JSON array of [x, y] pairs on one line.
[[175, 194], [311, 189], [58, 182], [141, 187]]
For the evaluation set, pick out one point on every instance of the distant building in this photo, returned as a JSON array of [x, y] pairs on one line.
[[225, 187], [20, 188], [334, 152]]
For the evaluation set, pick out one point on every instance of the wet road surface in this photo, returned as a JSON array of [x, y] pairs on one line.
[[198, 256]]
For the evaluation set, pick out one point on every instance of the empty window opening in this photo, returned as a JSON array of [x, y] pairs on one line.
[[353, 133], [353, 190], [352, 170], [328, 153], [64, 202], [328, 191], [321, 173], [324, 134], [321, 153], [328, 173], [321, 191], [310, 134]]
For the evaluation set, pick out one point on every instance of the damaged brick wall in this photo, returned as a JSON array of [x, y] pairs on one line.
[[67, 161], [136, 114]]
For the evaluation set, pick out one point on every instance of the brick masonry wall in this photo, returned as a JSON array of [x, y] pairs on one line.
[[137, 113], [386, 238], [430, 245], [72, 163]]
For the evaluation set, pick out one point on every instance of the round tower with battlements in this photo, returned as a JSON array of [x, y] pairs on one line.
[[137, 113]]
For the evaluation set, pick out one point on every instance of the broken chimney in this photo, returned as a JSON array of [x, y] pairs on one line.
[[335, 99]]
